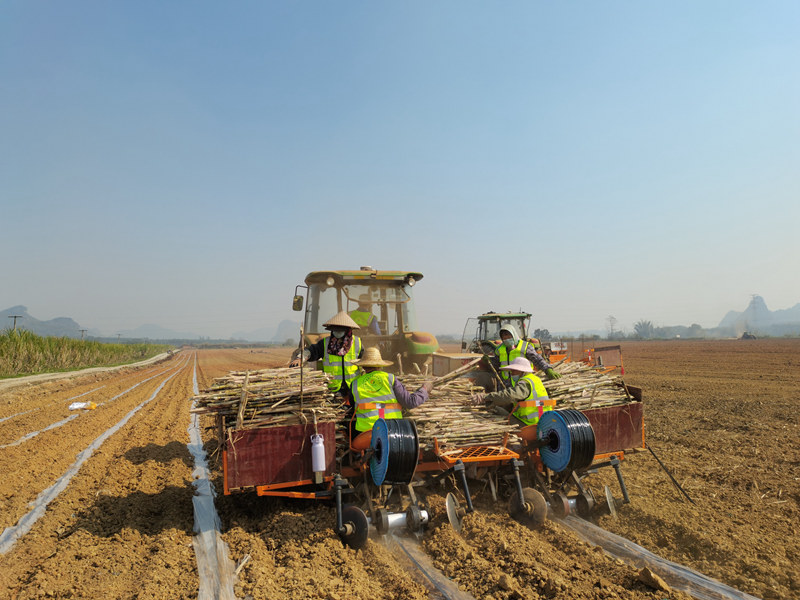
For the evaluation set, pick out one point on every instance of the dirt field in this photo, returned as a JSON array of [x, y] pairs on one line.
[[721, 415]]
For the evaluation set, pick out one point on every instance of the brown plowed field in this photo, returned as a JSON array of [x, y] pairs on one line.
[[721, 415]]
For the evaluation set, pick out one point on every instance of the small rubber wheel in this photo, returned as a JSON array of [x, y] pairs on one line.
[[532, 510]]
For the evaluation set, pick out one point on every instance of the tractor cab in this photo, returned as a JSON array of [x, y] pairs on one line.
[[367, 294]]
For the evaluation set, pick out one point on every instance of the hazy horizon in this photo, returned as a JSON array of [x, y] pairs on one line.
[[188, 165]]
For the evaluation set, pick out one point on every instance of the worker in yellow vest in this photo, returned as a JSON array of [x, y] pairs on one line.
[[511, 347], [380, 395], [526, 400], [339, 352], [364, 317]]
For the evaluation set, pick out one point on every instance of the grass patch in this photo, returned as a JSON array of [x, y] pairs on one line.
[[25, 353]]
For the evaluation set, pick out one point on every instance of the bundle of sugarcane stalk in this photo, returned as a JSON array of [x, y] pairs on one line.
[[270, 398], [449, 418], [582, 386]]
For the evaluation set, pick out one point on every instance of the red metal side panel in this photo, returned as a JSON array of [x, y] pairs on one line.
[[276, 454], [617, 428]]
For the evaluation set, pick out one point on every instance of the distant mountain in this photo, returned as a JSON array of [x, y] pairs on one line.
[[757, 318], [156, 332], [285, 330], [58, 327]]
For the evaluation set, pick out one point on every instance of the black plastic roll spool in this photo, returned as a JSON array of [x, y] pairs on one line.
[[583, 441], [395, 447], [570, 441]]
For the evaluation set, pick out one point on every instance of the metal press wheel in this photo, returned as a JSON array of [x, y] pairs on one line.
[[532, 510]]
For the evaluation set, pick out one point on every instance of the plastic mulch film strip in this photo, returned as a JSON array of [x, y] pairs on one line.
[[440, 586], [677, 576]]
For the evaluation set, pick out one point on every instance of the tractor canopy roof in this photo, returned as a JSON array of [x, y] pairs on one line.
[[493, 316], [363, 275]]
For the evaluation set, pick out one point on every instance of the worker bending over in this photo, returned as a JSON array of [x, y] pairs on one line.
[[526, 400], [380, 395], [338, 351], [513, 347]]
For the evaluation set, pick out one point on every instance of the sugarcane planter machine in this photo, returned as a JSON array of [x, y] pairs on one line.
[[543, 471], [284, 437]]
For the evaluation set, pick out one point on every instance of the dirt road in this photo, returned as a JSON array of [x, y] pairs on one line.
[[722, 416]]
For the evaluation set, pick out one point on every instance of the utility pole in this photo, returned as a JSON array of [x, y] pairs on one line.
[[82, 332], [15, 317], [118, 337]]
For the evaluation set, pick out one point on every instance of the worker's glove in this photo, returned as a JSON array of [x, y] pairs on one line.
[[477, 399], [296, 358], [427, 386], [551, 374]]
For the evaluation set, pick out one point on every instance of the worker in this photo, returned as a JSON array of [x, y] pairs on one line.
[[526, 400], [338, 351], [378, 394], [364, 317], [513, 347]]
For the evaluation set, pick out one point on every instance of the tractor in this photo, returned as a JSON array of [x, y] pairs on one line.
[[388, 293], [482, 336]]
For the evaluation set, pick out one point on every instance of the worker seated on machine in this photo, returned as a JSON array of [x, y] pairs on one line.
[[511, 348], [338, 353], [364, 317], [377, 395], [525, 402]]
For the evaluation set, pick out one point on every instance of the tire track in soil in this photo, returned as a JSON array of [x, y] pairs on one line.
[[123, 526]]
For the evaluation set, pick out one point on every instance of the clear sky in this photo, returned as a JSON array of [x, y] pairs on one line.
[[187, 163]]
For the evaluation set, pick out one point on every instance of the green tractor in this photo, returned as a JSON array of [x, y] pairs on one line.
[[383, 296], [482, 333], [482, 336]]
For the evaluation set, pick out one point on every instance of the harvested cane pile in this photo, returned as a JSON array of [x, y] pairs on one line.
[[270, 398], [582, 386], [448, 417]]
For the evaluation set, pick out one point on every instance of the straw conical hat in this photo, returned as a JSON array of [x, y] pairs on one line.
[[519, 364], [341, 319], [372, 358]]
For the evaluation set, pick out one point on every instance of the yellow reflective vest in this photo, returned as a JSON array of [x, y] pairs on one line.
[[373, 396], [506, 357], [363, 318], [529, 410], [341, 367]]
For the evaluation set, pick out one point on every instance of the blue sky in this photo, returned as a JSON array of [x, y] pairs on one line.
[[187, 163]]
